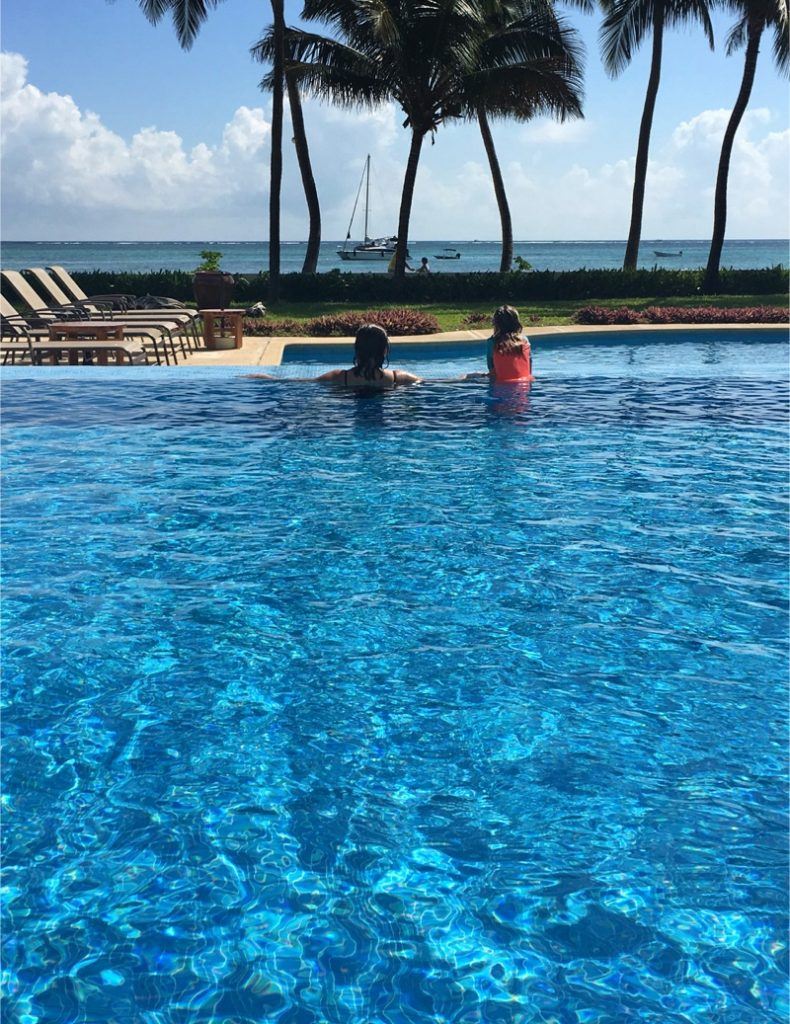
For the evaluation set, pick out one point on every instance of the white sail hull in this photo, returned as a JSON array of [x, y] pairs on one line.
[[366, 254]]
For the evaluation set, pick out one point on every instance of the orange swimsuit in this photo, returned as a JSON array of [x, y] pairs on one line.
[[515, 365]]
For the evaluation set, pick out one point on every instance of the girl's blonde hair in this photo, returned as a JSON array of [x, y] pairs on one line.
[[507, 329]]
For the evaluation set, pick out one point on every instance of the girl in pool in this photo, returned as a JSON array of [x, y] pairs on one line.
[[371, 353], [509, 355]]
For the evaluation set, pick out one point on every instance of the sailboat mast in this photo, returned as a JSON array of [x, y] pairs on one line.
[[367, 197]]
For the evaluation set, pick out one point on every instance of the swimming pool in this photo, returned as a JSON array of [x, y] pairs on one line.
[[448, 704]]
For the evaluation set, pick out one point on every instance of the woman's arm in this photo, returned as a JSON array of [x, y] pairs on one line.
[[407, 378], [329, 375]]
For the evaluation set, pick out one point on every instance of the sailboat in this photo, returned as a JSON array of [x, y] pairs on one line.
[[371, 248]]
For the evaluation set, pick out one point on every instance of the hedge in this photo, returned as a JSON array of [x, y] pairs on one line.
[[335, 286]]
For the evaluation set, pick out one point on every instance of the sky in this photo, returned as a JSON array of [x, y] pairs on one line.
[[111, 132]]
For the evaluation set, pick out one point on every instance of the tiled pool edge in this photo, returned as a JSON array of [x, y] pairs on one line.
[[474, 337], [269, 351]]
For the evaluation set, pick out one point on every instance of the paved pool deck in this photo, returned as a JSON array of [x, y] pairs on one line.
[[269, 351]]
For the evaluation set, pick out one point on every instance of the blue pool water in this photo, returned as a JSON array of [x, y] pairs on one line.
[[444, 705]]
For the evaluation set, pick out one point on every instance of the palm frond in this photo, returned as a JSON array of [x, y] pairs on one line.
[[780, 46], [341, 87], [687, 12], [736, 37], [542, 34], [624, 27], [187, 15], [526, 91], [327, 69]]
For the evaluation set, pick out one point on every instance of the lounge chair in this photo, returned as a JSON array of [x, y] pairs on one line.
[[48, 286], [156, 327], [27, 337], [17, 334], [16, 339], [73, 293], [67, 284]]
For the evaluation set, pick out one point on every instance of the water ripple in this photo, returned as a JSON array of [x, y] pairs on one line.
[[437, 706]]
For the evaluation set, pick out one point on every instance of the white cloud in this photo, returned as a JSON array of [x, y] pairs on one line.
[[707, 128], [562, 133], [67, 176]]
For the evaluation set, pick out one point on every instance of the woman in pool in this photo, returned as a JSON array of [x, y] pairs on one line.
[[509, 355], [371, 353]]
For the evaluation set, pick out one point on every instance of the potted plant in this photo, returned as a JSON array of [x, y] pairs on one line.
[[213, 287]]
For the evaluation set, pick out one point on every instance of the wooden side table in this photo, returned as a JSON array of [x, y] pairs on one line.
[[77, 336], [222, 328]]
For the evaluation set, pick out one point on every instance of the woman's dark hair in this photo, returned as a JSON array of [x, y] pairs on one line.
[[371, 351], [507, 329]]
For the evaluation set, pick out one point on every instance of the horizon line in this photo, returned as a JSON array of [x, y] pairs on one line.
[[333, 241]]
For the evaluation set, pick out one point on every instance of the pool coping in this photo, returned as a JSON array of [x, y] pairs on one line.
[[258, 351]]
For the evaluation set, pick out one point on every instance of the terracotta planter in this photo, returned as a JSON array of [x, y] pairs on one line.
[[213, 289]]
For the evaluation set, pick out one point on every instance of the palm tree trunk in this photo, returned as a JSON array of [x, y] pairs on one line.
[[405, 202], [640, 171], [499, 190], [711, 280], [308, 181], [276, 165]]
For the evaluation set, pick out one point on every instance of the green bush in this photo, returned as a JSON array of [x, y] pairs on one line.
[[336, 286]]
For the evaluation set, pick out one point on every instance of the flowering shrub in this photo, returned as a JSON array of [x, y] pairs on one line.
[[605, 316], [713, 315], [394, 321], [346, 324], [682, 315]]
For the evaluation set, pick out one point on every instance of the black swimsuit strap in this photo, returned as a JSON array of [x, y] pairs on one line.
[[345, 378], [394, 378]]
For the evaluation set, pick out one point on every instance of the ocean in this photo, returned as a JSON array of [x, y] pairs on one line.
[[252, 257]]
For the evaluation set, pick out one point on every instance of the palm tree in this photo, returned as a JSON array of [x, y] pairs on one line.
[[188, 16], [406, 51], [529, 64], [430, 57], [756, 17], [310, 264], [625, 25], [276, 157], [264, 51]]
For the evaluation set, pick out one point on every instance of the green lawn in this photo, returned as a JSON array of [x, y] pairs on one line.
[[556, 312]]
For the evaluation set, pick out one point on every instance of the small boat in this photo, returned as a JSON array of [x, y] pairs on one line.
[[449, 254], [372, 248], [667, 255]]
